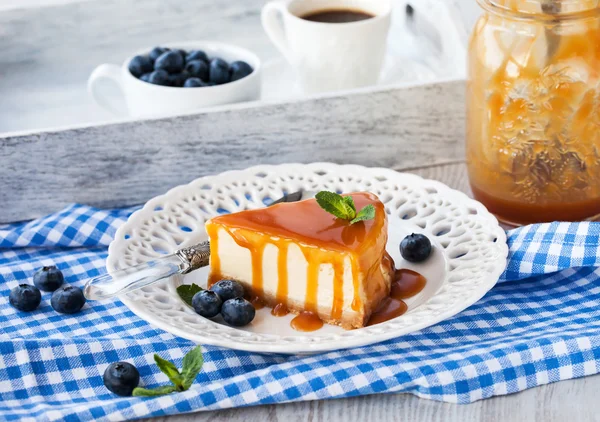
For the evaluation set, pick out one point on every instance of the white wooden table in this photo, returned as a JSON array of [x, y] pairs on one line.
[[45, 57], [566, 401]]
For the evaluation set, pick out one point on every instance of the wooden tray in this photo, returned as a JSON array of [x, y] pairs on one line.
[[127, 163]]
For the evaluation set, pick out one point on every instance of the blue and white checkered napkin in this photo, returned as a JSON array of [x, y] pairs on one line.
[[541, 324]]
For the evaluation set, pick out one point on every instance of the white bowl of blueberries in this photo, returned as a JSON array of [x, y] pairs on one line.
[[178, 78]]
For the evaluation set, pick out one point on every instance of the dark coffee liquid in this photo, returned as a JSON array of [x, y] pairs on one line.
[[337, 16]]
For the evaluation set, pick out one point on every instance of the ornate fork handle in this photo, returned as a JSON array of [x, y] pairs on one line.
[[194, 257], [126, 280]]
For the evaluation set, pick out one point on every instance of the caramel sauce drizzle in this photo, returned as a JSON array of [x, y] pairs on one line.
[[215, 261], [312, 281], [282, 274], [282, 282], [338, 290], [356, 302], [257, 270], [257, 250], [305, 321]]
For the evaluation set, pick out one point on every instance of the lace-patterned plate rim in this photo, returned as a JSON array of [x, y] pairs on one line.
[[470, 239]]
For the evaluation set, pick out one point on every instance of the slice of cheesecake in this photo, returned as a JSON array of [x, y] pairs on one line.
[[299, 256]]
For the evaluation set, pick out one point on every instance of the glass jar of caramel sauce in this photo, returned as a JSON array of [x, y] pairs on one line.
[[533, 110]]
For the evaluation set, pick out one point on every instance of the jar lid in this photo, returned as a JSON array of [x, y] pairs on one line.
[[543, 8]]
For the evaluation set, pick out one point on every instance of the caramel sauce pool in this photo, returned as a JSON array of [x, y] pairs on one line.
[[406, 284], [306, 321]]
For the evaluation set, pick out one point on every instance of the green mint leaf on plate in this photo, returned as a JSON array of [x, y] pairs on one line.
[[336, 205], [343, 207], [186, 292], [367, 213], [153, 392], [192, 364], [170, 370]]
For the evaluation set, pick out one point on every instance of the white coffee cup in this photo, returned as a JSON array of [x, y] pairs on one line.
[[330, 56], [145, 99]]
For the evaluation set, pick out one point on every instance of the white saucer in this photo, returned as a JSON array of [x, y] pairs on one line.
[[280, 82], [470, 251]]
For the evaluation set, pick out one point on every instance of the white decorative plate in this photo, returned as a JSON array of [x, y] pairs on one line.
[[469, 251]]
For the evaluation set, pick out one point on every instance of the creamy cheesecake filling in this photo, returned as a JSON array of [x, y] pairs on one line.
[[281, 269], [297, 256]]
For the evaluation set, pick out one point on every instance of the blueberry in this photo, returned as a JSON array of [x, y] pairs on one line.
[[239, 70], [145, 77], [196, 55], [156, 52], [177, 79], [207, 303], [182, 53], [198, 69], [219, 71], [121, 378], [228, 289], [159, 77], [238, 312], [415, 248], [25, 297], [48, 279], [140, 65], [171, 61], [194, 83], [67, 300]]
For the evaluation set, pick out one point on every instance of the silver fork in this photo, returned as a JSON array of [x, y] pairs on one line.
[[182, 261]]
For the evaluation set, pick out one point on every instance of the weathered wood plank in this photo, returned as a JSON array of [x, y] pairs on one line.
[[572, 400], [128, 163]]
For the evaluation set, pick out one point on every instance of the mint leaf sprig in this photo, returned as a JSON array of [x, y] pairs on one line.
[[154, 392], [187, 291], [182, 380], [343, 207]]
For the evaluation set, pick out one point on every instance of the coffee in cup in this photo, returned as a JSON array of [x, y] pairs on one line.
[[331, 44], [337, 16]]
